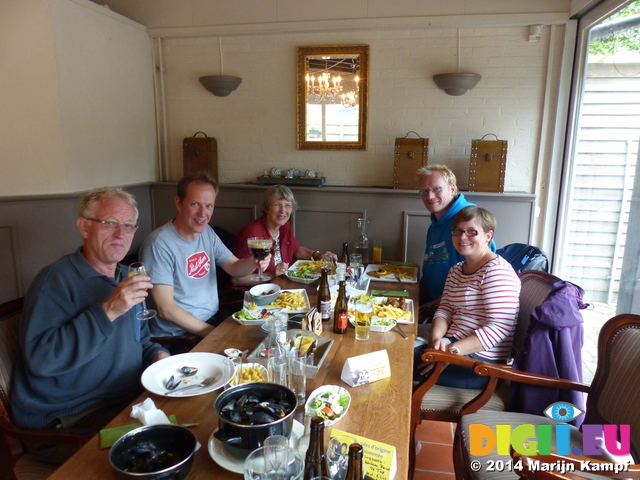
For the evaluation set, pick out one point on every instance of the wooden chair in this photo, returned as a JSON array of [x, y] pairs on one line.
[[529, 472], [24, 468], [447, 404], [611, 397]]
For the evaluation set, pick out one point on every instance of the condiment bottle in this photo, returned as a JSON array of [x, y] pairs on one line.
[[345, 254], [324, 297], [354, 468], [303, 441], [341, 310], [314, 462]]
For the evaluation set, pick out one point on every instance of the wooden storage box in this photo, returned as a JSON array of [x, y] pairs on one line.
[[200, 154], [409, 155], [487, 166]]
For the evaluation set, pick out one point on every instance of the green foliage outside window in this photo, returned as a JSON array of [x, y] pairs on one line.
[[623, 41]]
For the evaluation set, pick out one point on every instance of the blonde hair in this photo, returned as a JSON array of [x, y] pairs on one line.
[[90, 200], [446, 173]]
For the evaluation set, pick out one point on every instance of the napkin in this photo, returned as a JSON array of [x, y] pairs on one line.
[[389, 293], [108, 436], [148, 414]]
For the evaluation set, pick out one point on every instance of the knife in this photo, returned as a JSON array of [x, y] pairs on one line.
[[404, 335], [400, 282]]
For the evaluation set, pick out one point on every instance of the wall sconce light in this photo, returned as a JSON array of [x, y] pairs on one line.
[[220, 85], [535, 33], [456, 84]]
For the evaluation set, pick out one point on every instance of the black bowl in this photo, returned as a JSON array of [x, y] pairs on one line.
[[241, 439], [154, 452]]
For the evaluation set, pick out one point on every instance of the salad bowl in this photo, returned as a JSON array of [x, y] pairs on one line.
[[330, 402]]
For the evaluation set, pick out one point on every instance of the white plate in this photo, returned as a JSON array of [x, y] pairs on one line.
[[390, 277], [336, 390], [382, 300], [247, 299], [374, 327], [222, 457], [155, 377], [306, 281]]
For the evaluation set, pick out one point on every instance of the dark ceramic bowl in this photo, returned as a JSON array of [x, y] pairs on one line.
[[154, 452], [240, 439]]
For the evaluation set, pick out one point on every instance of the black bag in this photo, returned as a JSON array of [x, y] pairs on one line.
[[524, 257]]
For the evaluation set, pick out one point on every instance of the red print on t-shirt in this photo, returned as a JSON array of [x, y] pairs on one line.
[[198, 265]]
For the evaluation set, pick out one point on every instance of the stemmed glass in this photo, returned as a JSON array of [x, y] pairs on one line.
[[260, 247], [138, 268]]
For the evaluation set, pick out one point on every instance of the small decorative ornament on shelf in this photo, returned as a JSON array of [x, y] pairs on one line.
[[291, 177]]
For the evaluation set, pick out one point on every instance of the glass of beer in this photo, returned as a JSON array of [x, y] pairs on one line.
[[138, 268], [260, 247], [364, 308]]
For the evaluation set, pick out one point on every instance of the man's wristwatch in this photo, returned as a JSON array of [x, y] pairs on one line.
[[454, 350]]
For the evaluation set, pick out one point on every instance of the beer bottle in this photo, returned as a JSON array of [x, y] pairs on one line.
[[345, 254], [341, 310], [314, 462], [354, 468], [324, 297]]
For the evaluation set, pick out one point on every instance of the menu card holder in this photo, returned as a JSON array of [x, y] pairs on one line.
[[380, 460], [366, 368]]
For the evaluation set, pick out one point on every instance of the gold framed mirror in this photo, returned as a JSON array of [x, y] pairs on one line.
[[332, 97]]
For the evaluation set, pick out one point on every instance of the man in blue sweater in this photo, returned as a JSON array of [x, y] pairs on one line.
[[441, 197], [83, 349]]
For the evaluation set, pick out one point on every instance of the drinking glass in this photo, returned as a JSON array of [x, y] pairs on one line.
[[298, 374], [256, 466], [276, 459], [233, 370], [355, 264], [138, 268], [277, 366], [364, 308], [260, 247], [377, 251], [337, 456]]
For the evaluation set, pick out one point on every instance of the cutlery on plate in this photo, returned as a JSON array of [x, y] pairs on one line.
[[205, 383], [399, 280], [401, 332]]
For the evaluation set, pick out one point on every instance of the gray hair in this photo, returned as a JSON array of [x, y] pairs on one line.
[[90, 200], [445, 171], [277, 191]]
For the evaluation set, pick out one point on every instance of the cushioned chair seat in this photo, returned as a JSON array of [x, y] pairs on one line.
[[451, 400], [28, 469]]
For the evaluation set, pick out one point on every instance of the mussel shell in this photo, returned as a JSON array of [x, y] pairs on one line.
[[188, 371], [172, 384]]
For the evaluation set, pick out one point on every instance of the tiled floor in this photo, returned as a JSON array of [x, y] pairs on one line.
[[435, 459]]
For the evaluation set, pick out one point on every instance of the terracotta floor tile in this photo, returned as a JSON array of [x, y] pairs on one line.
[[424, 475], [435, 457], [435, 432]]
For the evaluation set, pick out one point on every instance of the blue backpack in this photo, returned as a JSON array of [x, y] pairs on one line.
[[524, 257]]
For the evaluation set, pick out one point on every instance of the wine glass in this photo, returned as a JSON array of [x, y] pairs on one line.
[[138, 268], [260, 247]]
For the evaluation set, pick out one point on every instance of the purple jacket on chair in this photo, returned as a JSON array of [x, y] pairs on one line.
[[553, 347]]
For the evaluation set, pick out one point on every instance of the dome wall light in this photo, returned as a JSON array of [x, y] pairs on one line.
[[220, 85], [456, 84]]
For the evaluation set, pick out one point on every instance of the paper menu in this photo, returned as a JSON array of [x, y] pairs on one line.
[[379, 458]]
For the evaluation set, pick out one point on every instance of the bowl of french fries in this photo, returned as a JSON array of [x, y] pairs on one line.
[[248, 373], [291, 301]]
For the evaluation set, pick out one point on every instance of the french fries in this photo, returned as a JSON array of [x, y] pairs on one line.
[[392, 313], [289, 301], [249, 374], [316, 265]]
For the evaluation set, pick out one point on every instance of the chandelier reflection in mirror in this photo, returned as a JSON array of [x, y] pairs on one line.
[[327, 87]]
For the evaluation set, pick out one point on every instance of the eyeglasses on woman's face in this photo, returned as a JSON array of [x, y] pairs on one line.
[[457, 232]]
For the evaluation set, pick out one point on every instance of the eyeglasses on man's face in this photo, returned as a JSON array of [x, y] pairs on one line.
[[112, 225], [434, 190], [456, 232]]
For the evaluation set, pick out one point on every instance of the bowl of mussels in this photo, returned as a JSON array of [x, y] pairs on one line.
[[154, 452], [251, 412]]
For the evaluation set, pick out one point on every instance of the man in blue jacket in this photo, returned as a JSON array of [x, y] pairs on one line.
[[83, 349], [441, 197]]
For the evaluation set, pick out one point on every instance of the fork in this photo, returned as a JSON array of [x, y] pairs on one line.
[[399, 280], [205, 383]]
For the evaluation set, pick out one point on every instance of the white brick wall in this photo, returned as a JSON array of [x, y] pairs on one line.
[[255, 125]]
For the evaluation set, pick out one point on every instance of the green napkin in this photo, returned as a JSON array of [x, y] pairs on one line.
[[388, 293], [109, 436]]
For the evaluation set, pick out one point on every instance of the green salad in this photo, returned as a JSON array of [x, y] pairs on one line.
[[329, 405], [304, 272], [245, 314], [382, 321]]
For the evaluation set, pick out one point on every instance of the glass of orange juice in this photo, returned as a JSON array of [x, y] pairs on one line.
[[377, 251]]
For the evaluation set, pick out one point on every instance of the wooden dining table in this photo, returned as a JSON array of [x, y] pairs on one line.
[[379, 411]]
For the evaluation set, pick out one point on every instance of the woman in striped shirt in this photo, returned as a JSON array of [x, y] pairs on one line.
[[479, 306]]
